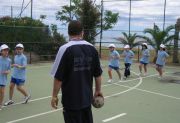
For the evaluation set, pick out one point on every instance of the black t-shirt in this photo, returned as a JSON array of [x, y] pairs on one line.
[[76, 64]]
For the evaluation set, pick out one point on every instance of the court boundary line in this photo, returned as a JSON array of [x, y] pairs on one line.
[[35, 67], [105, 85], [130, 88], [33, 100], [116, 94], [152, 92], [114, 117], [51, 111], [32, 116], [46, 97]]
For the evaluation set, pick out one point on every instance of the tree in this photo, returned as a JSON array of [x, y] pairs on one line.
[[42, 17], [158, 36], [130, 39], [89, 14], [35, 35], [57, 37], [176, 38], [23, 29]]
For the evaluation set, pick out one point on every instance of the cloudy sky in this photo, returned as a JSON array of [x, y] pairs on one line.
[[144, 13]]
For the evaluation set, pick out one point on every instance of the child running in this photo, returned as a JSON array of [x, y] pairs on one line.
[[144, 59], [18, 75], [5, 66], [128, 55], [113, 62], [161, 59]]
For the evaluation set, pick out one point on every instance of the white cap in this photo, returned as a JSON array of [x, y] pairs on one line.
[[145, 44], [162, 46], [126, 46], [19, 45], [112, 45], [4, 46]]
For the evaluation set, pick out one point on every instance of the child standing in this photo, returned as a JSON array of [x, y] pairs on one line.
[[128, 55], [113, 62], [144, 59], [5, 66], [18, 75], [161, 59]]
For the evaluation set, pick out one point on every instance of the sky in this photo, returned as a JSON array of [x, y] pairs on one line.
[[144, 13]]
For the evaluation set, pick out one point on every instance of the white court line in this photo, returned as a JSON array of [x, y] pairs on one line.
[[37, 99], [51, 111], [35, 67], [114, 117], [137, 78], [131, 88], [45, 113], [160, 94]]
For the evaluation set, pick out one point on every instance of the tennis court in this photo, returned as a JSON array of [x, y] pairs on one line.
[[135, 100]]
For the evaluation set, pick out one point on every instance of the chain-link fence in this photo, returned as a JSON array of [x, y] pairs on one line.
[[41, 45]]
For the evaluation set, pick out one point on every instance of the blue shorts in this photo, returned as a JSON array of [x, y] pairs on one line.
[[2, 86], [143, 63], [112, 67], [159, 66], [18, 82]]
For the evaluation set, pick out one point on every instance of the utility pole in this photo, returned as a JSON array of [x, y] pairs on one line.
[[31, 8], [129, 17], [101, 28], [30, 55], [164, 20], [70, 11], [11, 11]]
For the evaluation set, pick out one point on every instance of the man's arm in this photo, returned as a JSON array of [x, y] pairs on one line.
[[98, 87], [56, 88]]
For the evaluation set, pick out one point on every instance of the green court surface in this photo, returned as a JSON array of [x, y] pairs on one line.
[[135, 100]]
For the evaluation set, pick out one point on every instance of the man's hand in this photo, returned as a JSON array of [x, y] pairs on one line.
[[97, 93], [54, 102]]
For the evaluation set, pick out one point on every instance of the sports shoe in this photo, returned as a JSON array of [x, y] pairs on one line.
[[109, 81], [9, 102], [160, 77], [120, 80], [140, 74], [26, 99], [145, 74], [124, 78]]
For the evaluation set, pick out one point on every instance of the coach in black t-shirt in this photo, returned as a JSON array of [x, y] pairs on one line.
[[76, 64]]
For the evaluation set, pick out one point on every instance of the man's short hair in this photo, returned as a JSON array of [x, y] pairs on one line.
[[75, 28]]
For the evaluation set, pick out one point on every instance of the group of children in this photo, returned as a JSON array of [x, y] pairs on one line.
[[20, 63], [128, 55], [17, 75]]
